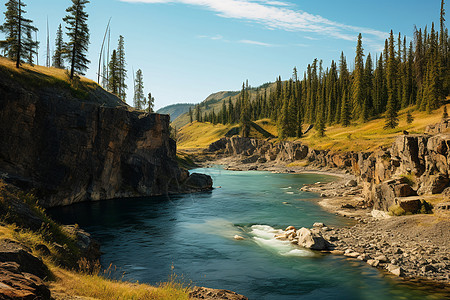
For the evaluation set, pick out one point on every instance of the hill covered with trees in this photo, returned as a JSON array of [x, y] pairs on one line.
[[411, 74]]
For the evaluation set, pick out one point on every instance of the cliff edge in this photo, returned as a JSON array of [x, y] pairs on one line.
[[73, 144]]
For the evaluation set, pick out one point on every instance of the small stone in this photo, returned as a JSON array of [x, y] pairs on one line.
[[238, 237], [381, 258], [428, 268], [373, 262], [317, 224], [396, 270]]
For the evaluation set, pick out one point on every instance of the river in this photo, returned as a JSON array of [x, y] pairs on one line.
[[148, 239]]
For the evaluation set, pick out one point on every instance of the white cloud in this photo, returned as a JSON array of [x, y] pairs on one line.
[[277, 15], [214, 37], [256, 43]]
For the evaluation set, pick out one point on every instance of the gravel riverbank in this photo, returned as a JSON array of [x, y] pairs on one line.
[[415, 247]]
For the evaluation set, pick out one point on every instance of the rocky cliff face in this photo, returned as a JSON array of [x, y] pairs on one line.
[[72, 150], [413, 165]]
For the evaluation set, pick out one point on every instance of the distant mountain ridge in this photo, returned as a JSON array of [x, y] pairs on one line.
[[175, 110], [213, 101]]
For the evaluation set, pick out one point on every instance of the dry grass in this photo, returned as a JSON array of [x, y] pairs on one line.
[[198, 135], [357, 137], [67, 284], [73, 284], [299, 163], [371, 135], [41, 71]]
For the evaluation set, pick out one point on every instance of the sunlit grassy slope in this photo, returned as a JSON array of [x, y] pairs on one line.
[[200, 135], [39, 77], [357, 137]]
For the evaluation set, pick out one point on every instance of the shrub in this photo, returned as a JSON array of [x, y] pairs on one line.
[[396, 210], [426, 207]]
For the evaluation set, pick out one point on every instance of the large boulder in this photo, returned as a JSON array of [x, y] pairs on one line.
[[16, 284], [409, 204], [199, 181], [433, 184], [11, 251], [311, 240]]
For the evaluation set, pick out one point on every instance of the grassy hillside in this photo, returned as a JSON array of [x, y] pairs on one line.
[[45, 79], [214, 101], [200, 135], [357, 137], [175, 110]]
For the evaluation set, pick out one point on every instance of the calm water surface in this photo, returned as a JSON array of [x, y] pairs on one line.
[[192, 235]]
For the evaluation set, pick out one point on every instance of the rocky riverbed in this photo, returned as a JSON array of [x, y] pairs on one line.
[[411, 246], [415, 247]]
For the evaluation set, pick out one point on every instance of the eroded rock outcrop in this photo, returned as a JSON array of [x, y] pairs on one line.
[[73, 148], [414, 164]]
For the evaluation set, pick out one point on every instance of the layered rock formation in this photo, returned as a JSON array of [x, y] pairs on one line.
[[74, 147], [413, 165]]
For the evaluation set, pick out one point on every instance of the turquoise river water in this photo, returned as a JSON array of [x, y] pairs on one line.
[[148, 239]]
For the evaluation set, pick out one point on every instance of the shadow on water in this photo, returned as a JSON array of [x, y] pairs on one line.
[[146, 237]]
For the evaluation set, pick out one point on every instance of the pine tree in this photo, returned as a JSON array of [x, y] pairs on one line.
[[224, 114], [113, 80], [150, 103], [320, 125], [345, 110], [391, 74], [445, 113], [380, 92], [344, 82], [29, 50], [191, 119], [299, 132], [139, 97], [358, 86], [283, 120], [368, 85], [18, 43], [121, 65], [198, 113], [58, 61], [409, 117], [245, 111], [78, 33]]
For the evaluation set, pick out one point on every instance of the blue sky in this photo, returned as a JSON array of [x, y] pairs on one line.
[[188, 49]]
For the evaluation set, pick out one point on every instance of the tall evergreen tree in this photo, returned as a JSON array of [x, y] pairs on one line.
[[245, 111], [358, 86], [367, 107], [345, 110], [391, 75], [58, 61], [78, 33], [121, 65], [191, 119], [150, 103], [113, 80], [18, 30], [139, 98]]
